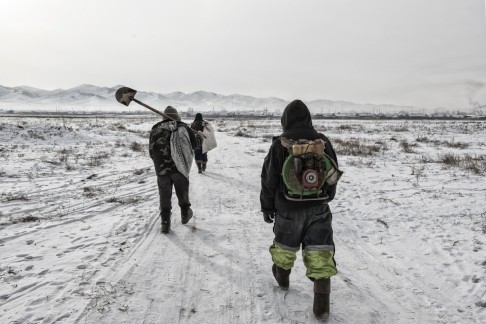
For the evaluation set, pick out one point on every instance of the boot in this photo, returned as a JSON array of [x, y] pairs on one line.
[[322, 289], [282, 276], [186, 215], [165, 227], [165, 216], [199, 167], [204, 166]]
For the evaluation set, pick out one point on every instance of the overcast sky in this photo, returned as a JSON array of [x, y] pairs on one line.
[[426, 53]]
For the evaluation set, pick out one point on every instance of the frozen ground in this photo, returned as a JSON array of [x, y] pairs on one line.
[[80, 237]]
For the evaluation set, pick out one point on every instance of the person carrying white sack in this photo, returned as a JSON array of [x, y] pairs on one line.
[[208, 143], [171, 146]]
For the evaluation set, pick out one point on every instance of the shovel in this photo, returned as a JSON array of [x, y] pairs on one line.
[[125, 95]]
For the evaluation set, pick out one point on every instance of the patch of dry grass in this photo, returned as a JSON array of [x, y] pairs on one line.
[[473, 163], [356, 147]]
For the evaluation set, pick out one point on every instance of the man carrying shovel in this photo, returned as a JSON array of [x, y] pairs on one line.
[[171, 146]]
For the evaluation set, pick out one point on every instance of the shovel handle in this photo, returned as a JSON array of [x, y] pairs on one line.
[[158, 112], [153, 109], [125, 95]]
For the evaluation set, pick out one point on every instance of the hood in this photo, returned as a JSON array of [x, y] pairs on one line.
[[297, 123]]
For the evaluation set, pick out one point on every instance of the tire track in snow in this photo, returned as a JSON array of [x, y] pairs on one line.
[[63, 289], [89, 207]]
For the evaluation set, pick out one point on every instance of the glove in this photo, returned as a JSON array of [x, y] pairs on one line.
[[201, 135], [269, 217]]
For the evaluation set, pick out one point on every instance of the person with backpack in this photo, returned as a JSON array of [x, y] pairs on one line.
[[201, 155], [171, 146], [298, 179]]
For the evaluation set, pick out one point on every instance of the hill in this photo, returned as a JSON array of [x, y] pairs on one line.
[[88, 97]]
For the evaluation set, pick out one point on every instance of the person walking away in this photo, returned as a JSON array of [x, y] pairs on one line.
[[201, 158], [299, 221], [171, 147]]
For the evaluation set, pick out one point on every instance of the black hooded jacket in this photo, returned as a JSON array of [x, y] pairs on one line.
[[198, 125], [296, 124]]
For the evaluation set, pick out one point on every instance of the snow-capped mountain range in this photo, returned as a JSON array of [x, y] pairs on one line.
[[87, 97]]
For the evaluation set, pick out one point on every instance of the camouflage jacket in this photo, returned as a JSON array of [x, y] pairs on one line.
[[159, 146]]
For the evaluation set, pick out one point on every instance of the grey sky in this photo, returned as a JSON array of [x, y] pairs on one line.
[[425, 53]]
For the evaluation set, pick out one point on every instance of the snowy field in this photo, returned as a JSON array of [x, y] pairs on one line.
[[80, 237]]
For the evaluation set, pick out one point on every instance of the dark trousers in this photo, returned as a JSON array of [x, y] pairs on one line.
[[308, 227], [199, 156], [181, 185]]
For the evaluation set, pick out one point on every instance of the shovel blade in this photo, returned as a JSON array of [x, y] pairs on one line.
[[125, 95]]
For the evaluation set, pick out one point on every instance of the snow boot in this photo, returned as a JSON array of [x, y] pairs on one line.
[[282, 276], [165, 227], [165, 216], [186, 215], [322, 289], [199, 167], [204, 166]]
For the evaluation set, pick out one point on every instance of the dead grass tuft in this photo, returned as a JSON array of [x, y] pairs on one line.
[[407, 147], [90, 192], [459, 145], [119, 126], [97, 159], [450, 159], [125, 201], [28, 219], [449, 144], [400, 128], [359, 163], [15, 196], [136, 147], [345, 127], [242, 132], [356, 147], [473, 163]]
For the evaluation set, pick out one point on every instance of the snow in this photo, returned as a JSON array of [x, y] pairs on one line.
[[80, 237]]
